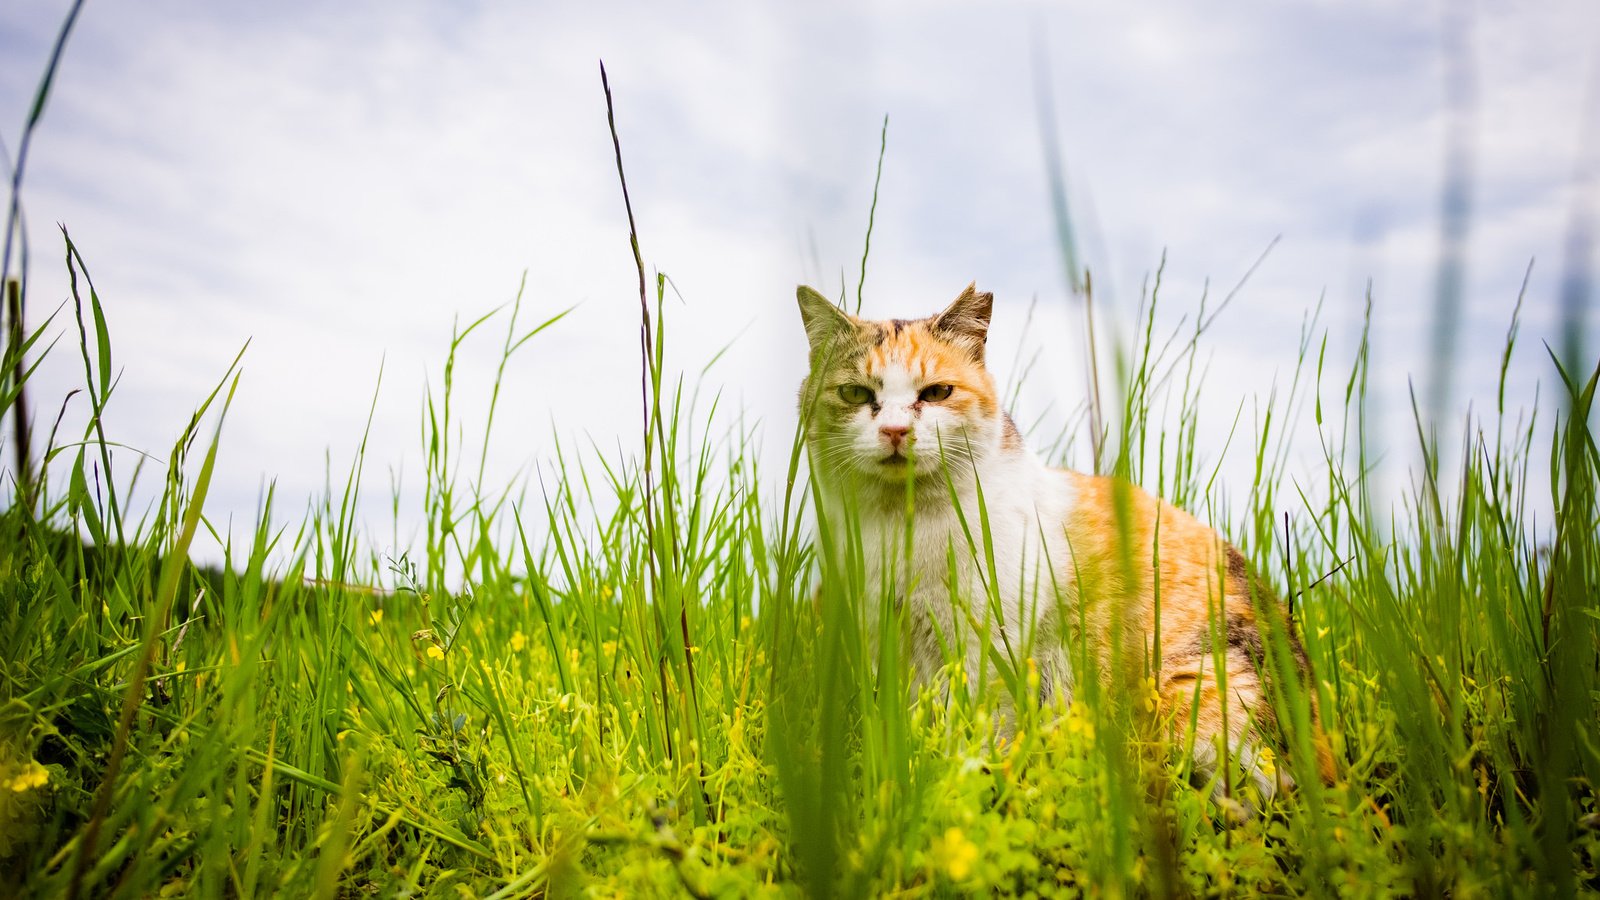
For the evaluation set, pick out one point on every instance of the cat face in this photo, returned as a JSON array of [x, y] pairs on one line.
[[899, 395]]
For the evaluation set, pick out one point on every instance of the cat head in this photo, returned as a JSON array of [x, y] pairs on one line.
[[890, 397]]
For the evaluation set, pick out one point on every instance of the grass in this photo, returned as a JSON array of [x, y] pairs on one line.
[[651, 679]]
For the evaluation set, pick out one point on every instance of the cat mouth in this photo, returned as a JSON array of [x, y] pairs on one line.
[[896, 458]]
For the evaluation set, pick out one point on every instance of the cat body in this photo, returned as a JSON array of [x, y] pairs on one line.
[[908, 442]]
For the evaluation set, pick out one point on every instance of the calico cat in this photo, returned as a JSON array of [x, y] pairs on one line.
[[1075, 557]]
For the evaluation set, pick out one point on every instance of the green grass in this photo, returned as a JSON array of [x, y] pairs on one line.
[[544, 699], [679, 694]]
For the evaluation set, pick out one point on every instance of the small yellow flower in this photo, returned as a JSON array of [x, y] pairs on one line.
[[954, 853], [375, 616], [1267, 762], [1078, 721], [435, 652], [1149, 697], [609, 647], [33, 776], [518, 641], [605, 592]]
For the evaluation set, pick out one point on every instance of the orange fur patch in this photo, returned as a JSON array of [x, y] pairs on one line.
[[933, 360], [1156, 583]]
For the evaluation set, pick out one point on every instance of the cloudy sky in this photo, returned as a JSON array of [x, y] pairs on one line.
[[338, 183]]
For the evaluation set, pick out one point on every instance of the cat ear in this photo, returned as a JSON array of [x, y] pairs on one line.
[[824, 321], [966, 321]]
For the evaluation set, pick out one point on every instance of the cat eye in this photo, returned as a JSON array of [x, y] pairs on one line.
[[856, 393], [934, 393]]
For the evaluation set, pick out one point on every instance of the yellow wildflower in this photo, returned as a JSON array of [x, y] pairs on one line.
[[435, 651], [375, 616], [605, 592], [1149, 697], [954, 853], [1078, 722], [33, 776], [1266, 761], [518, 641]]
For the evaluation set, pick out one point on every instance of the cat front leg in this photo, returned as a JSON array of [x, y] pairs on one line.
[[1210, 721]]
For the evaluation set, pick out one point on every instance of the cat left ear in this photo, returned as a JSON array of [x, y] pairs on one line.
[[824, 322], [967, 320]]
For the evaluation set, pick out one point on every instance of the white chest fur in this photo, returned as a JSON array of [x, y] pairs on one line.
[[986, 568]]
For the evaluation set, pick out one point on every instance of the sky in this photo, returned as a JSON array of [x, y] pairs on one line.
[[340, 184]]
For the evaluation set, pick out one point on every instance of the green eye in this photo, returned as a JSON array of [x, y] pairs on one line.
[[933, 393], [856, 394]]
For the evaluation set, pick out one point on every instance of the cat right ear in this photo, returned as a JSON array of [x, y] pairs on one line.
[[824, 322]]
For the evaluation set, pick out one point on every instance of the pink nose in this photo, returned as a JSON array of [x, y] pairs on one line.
[[895, 434]]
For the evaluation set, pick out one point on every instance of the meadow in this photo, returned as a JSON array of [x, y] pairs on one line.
[[648, 677]]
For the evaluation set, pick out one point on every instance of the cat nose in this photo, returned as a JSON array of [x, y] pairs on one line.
[[895, 434]]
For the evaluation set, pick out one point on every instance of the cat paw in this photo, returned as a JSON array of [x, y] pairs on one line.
[[1263, 780]]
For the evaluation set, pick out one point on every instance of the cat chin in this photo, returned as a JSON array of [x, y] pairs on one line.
[[897, 469], [874, 466]]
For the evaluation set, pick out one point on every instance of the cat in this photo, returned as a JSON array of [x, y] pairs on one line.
[[887, 402]]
